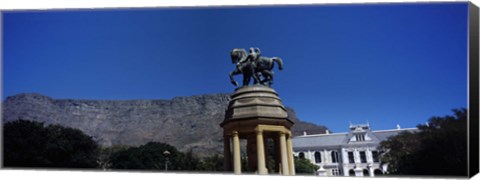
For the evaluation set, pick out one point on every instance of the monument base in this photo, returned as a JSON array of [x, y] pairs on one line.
[[256, 113]]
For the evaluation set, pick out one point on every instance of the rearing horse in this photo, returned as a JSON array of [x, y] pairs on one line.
[[253, 65], [264, 65]]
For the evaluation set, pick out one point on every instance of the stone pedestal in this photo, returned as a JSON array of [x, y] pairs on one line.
[[256, 113], [358, 171], [370, 170], [321, 171]]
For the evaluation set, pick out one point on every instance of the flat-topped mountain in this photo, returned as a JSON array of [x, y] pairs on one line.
[[184, 122]]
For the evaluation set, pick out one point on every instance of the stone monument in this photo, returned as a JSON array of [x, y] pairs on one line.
[[256, 113]]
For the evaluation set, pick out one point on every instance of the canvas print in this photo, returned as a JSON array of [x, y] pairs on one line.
[[350, 90]]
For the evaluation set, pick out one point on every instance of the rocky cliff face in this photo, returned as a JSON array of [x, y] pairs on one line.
[[188, 123]]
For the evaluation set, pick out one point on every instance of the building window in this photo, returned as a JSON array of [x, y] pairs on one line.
[[301, 155], [318, 158], [363, 157], [360, 137], [335, 172], [375, 156], [365, 172], [378, 172], [351, 172], [351, 160], [334, 156]]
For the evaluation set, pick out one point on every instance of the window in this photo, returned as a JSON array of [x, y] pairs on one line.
[[351, 172], [363, 157], [350, 158], [365, 172], [318, 158], [375, 156], [301, 155], [335, 172], [360, 137], [334, 156]]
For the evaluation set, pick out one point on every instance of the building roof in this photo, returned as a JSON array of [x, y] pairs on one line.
[[343, 139], [384, 134], [335, 139]]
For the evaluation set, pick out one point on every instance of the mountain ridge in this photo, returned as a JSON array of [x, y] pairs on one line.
[[138, 121]]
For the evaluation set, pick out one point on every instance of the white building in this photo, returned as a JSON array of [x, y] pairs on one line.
[[353, 153]]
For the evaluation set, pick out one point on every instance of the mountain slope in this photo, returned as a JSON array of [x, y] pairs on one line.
[[188, 123]]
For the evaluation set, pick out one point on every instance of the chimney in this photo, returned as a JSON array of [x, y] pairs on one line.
[[327, 131], [304, 133], [398, 126]]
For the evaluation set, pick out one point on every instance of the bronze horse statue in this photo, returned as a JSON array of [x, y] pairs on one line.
[[253, 65]]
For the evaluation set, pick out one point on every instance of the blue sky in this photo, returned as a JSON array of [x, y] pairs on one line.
[[386, 64]]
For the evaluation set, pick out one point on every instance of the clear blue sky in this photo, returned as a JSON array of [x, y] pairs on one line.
[[386, 64]]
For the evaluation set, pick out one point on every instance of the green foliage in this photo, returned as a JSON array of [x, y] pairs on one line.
[[243, 162], [211, 163], [105, 153], [437, 149], [189, 162], [272, 166], [304, 166], [149, 156], [31, 144]]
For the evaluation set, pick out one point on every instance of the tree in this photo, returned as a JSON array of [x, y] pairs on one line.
[[31, 144], [105, 153], [304, 166], [211, 163], [189, 162], [439, 148], [151, 157]]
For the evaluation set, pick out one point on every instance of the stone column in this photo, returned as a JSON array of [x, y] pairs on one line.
[[345, 171], [227, 160], [265, 149], [311, 156], [237, 165], [345, 162], [308, 154], [260, 153], [291, 164], [368, 153], [370, 171], [283, 151], [344, 156], [356, 156], [327, 157]]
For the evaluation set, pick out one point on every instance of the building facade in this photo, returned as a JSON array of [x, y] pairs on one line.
[[353, 153]]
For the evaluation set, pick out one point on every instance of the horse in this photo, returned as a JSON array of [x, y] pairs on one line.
[[264, 66], [244, 66], [253, 65]]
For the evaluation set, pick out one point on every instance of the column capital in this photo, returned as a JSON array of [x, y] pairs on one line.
[[235, 133], [288, 134], [258, 130]]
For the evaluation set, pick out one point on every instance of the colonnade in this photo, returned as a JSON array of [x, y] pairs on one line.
[[279, 134]]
